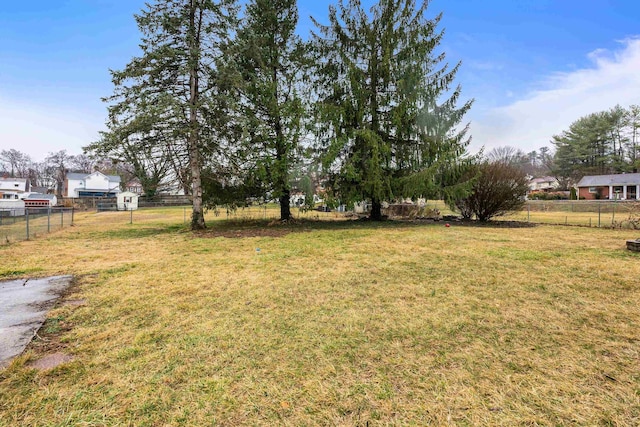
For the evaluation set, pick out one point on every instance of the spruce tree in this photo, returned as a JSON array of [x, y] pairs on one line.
[[387, 109], [271, 61], [172, 89]]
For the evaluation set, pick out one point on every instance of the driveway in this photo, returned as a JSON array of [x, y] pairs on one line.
[[24, 305]]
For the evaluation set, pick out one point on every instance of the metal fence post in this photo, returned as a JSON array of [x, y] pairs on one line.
[[62, 218], [599, 212], [73, 210], [130, 216], [26, 214], [49, 219], [528, 213], [613, 215]]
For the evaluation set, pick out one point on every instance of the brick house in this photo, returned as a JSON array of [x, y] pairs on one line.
[[625, 186]]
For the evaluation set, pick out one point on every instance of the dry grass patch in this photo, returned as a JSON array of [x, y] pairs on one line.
[[333, 324]]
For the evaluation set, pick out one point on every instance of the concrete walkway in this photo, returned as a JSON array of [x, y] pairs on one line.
[[23, 309]]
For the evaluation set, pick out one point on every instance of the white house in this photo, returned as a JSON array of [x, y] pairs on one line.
[[296, 199], [14, 185], [127, 201], [544, 183], [95, 184]]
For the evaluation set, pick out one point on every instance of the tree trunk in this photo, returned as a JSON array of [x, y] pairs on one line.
[[197, 216], [282, 167], [285, 210], [376, 210], [285, 196]]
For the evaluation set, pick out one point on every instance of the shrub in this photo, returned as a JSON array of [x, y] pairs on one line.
[[574, 194], [498, 189], [558, 195]]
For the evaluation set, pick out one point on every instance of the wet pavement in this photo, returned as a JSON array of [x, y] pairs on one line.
[[24, 304]]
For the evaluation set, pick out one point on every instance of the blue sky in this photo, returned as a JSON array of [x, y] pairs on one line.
[[533, 66]]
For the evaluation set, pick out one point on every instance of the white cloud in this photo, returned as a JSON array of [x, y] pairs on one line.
[[531, 122], [39, 129]]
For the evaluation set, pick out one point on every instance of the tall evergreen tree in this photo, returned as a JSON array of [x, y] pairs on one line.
[[271, 59], [632, 125], [599, 143], [387, 109], [172, 90]]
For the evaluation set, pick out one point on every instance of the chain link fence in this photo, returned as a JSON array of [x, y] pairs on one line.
[[610, 214], [29, 223]]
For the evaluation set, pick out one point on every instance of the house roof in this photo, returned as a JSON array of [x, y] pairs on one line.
[[14, 179], [544, 179], [39, 190], [76, 175], [37, 196], [606, 180]]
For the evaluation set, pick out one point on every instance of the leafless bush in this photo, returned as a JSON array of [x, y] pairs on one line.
[[633, 219], [498, 189]]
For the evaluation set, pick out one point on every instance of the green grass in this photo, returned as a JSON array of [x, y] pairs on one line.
[[332, 322]]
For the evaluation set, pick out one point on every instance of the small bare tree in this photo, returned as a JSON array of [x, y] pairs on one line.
[[499, 188]]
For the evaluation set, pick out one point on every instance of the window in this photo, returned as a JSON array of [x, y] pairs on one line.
[[593, 190]]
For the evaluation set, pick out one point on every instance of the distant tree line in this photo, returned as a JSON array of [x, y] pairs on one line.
[[600, 143], [534, 163], [236, 109], [606, 142]]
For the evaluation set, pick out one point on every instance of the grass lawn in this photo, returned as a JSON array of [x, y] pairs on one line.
[[330, 323]]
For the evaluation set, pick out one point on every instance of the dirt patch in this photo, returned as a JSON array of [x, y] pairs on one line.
[[498, 224], [25, 304], [244, 232], [460, 222], [50, 361], [48, 340]]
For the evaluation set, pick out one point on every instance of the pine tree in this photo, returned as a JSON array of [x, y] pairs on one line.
[[271, 60], [632, 124], [598, 143], [172, 90], [387, 108]]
